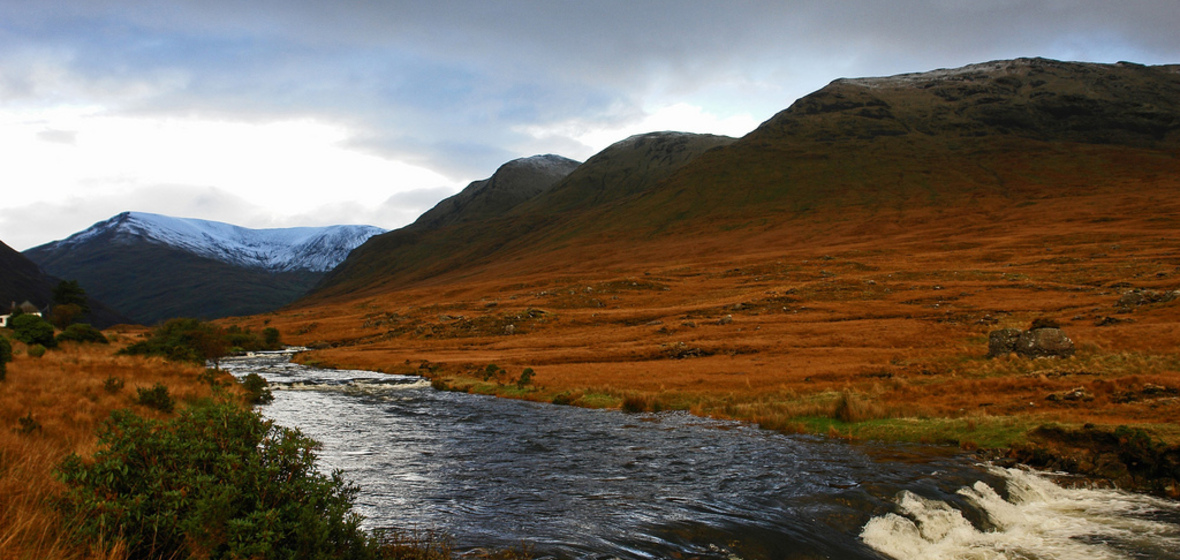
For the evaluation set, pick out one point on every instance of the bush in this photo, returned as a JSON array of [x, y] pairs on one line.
[[81, 332], [215, 482], [183, 340], [5, 357], [35, 351], [526, 377], [270, 337], [256, 389], [31, 329], [156, 397]]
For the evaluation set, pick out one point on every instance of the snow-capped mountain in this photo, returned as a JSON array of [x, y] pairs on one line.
[[317, 249], [152, 268]]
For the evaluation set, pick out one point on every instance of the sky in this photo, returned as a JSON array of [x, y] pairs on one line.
[[281, 113]]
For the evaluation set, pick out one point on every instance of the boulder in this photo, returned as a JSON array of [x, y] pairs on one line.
[[1044, 343], [1002, 342]]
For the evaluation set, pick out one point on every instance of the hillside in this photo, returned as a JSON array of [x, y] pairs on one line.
[[22, 280], [152, 267], [838, 270], [622, 170], [513, 183]]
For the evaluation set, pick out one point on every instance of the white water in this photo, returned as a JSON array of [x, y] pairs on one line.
[[1039, 521]]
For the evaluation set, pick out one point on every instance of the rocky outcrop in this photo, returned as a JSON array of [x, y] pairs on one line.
[[1044, 339], [1139, 297]]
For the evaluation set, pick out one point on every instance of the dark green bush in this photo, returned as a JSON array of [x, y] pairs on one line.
[[257, 391], [491, 371], [526, 377], [184, 340], [270, 337], [156, 397], [81, 332], [215, 482], [32, 329], [35, 351]]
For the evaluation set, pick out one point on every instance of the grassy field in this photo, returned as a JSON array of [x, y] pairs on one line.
[[851, 323], [50, 407]]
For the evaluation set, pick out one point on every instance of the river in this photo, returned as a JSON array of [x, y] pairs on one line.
[[569, 482]]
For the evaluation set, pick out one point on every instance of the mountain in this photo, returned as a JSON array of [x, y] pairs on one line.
[[454, 237], [840, 269], [511, 184], [23, 281], [990, 135], [153, 267]]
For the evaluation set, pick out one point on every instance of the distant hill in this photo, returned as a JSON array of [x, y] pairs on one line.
[[23, 281], [624, 169], [152, 267], [986, 136]]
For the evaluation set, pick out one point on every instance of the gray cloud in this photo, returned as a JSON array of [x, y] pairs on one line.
[[451, 85]]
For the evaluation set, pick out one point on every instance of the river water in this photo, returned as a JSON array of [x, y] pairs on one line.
[[568, 482]]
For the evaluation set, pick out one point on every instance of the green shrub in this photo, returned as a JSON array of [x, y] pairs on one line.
[[491, 371], [81, 332], [270, 337], [156, 397], [35, 351], [215, 482], [526, 377], [31, 329], [257, 391], [5, 357], [184, 340]]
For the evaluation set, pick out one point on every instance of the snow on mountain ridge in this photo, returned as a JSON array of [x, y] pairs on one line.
[[317, 249]]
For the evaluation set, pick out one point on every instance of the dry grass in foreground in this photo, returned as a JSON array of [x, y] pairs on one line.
[[50, 407]]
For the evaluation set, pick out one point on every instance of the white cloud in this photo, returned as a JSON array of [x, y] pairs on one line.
[[68, 162], [586, 137]]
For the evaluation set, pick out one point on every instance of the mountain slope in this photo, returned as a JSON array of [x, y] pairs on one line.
[[513, 183], [622, 170], [154, 267], [22, 280], [990, 135]]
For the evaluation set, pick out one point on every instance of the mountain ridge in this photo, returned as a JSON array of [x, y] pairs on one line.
[[153, 267], [275, 249], [993, 135]]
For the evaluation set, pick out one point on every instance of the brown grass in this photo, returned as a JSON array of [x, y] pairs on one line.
[[773, 323], [63, 399]]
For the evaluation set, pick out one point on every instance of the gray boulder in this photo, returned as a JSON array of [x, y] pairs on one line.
[[1044, 343], [1002, 342]]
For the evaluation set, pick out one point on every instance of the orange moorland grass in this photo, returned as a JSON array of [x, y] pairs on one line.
[[841, 319], [51, 407]]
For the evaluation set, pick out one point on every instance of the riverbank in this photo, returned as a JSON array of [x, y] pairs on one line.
[[836, 338]]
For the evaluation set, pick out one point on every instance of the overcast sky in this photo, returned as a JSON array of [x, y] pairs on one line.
[[298, 112]]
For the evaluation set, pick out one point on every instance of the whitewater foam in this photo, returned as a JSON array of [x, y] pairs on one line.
[[1039, 520]]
